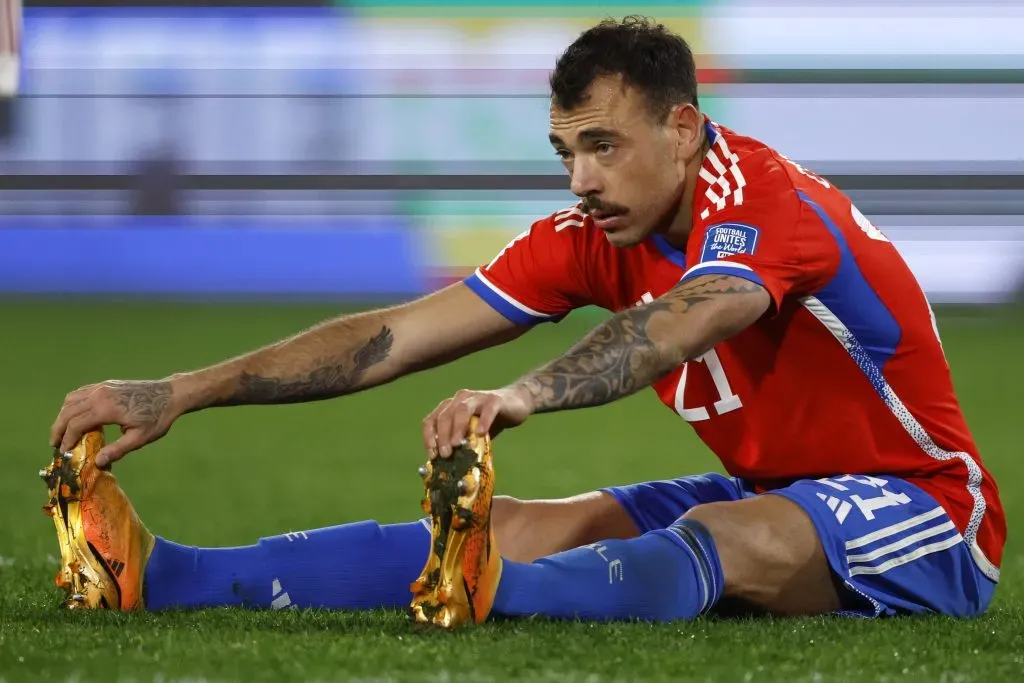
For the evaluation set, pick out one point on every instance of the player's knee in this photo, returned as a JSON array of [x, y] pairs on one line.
[[770, 553], [748, 549]]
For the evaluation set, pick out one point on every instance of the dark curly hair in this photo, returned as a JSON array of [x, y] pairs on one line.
[[648, 57]]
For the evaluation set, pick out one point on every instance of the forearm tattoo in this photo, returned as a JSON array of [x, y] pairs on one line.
[[326, 378], [619, 357]]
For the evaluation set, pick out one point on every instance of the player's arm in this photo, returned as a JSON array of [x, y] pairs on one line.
[[640, 345], [337, 357], [627, 352], [352, 353]]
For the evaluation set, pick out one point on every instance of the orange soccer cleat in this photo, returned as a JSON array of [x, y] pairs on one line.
[[461, 576], [104, 546]]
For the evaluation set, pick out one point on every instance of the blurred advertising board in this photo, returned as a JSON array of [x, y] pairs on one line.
[[393, 90]]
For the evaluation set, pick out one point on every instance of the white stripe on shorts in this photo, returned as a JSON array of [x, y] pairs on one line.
[[894, 529], [909, 557], [902, 543]]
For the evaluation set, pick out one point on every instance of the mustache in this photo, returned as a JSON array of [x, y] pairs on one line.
[[592, 204]]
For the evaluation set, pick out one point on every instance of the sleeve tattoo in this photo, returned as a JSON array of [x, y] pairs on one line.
[[620, 357], [328, 377]]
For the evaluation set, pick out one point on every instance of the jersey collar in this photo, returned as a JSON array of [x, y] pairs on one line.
[[710, 130], [668, 251]]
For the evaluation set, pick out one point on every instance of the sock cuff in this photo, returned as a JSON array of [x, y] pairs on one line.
[[695, 537]]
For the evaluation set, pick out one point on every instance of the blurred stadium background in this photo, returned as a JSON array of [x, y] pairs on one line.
[[380, 147]]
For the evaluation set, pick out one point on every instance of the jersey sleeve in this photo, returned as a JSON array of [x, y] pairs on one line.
[[767, 239], [538, 276]]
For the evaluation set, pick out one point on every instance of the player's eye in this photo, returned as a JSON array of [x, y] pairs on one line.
[[563, 154], [604, 148]]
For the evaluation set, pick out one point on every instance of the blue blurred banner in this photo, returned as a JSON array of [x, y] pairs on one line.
[[237, 255]]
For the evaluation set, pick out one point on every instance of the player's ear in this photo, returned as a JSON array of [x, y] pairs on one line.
[[687, 123]]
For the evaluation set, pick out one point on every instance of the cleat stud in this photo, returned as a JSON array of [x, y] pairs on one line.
[[78, 597], [66, 456], [423, 471], [43, 474], [462, 486], [48, 509]]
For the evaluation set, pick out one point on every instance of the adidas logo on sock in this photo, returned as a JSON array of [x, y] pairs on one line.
[[280, 599]]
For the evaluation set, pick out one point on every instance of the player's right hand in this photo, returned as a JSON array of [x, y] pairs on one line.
[[144, 410]]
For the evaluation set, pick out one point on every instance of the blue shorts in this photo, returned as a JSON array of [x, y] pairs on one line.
[[891, 545]]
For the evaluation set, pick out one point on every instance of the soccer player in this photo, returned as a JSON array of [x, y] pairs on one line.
[[750, 293]]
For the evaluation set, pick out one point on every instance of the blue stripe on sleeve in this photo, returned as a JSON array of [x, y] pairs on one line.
[[501, 305], [852, 299], [742, 273]]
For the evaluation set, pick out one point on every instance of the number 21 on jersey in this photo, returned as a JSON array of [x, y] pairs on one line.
[[727, 400]]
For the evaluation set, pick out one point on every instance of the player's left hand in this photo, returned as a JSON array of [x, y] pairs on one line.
[[448, 424]]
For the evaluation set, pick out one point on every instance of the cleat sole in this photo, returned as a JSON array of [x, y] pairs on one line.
[[84, 586], [457, 498]]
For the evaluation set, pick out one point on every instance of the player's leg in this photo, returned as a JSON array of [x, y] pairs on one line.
[[770, 554], [671, 565], [662, 574], [863, 545], [365, 565], [360, 565], [111, 559], [528, 530], [658, 574], [892, 548]]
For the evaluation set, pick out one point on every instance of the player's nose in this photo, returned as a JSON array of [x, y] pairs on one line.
[[585, 180]]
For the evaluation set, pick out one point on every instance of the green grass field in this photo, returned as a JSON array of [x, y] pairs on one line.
[[314, 465]]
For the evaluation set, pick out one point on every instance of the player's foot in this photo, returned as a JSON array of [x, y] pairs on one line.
[[461, 576], [104, 546]]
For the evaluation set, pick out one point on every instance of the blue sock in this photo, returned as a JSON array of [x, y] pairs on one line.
[[664, 575], [353, 566]]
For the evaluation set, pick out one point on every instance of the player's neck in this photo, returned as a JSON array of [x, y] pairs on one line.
[[679, 229]]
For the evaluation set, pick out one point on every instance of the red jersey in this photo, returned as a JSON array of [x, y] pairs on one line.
[[846, 373]]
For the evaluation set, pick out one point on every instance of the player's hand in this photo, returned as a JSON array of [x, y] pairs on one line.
[[144, 410], [448, 424]]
